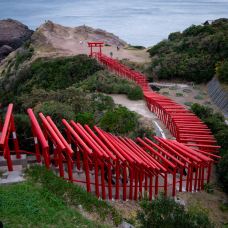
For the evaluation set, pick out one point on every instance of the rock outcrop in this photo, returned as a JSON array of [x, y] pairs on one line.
[[12, 35]]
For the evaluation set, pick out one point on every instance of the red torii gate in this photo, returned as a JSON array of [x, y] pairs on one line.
[[92, 45], [114, 167]]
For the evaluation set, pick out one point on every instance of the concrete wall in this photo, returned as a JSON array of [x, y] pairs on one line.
[[218, 95]]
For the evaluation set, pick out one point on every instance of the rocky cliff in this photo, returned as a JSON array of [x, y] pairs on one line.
[[12, 35]]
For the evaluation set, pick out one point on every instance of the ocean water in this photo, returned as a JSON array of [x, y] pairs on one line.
[[139, 22]]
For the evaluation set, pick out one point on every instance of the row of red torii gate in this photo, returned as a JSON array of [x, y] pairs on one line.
[[114, 167]]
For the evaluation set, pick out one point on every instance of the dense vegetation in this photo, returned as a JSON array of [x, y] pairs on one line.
[[49, 74], [193, 54], [105, 82], [70, 88], [166, 213], [222, 71], [215, 122], [46, 200]]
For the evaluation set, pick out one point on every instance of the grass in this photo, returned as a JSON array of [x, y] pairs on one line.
[[224, 207], [199, 97], [26, 205], [73, 194], [179, 95], [46, 200], [188, 103]]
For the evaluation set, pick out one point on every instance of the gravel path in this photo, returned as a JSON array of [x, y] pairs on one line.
[[141, 108]]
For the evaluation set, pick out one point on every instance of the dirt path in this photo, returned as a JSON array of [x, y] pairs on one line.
[[141, 108]]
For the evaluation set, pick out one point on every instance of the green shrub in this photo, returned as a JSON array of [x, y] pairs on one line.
[[198, 97], [105, 82], [23, 127], [179, 95], [201, 111], [142, 131], [222, 71], [56, 110], [192, 54], [165, 212], [119, 120], [222, 170], [23, 55], [209, 188], [215, 121], [198, 217], [224, 207], [135, 93], [188, 104], [85, 118], [52, 74], [100, 102], [222, 137]]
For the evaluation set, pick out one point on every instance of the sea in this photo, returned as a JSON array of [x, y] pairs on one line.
[[138, 22]]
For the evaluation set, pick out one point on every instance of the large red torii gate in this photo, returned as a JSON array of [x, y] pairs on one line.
[[92, 45]]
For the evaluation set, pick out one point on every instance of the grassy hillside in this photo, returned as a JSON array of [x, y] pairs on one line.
[[46, 200], [70, 88], [192, 55]]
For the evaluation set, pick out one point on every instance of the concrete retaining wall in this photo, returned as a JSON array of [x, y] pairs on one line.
[[218, 95]]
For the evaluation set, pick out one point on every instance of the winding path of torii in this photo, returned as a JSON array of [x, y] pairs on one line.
[[116, 167]]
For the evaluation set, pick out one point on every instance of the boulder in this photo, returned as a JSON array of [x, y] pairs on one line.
[[12, 35], [4, 51]]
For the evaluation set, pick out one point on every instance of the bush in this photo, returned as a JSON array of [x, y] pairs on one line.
[[142, 132], [222, 137], [23, 127], [23, 55], [165, 212], [104, 82], [192, 55], [222, 71], [85, 118], [56, 110], [119, 120], [222, 170], [51, 74], [215, 121], [179, 95], [201, 111], [135, 93]]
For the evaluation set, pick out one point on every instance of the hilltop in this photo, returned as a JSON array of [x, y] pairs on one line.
[[193, 54]]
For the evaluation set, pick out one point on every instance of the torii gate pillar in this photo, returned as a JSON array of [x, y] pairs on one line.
[[99, 45]]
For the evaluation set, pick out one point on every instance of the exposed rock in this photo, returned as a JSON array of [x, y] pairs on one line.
[[125, 225], [51, 37], [53, 40], [12, 35], [4, 51]]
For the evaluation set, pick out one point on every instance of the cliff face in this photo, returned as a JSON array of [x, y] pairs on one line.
[[12, 35]]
